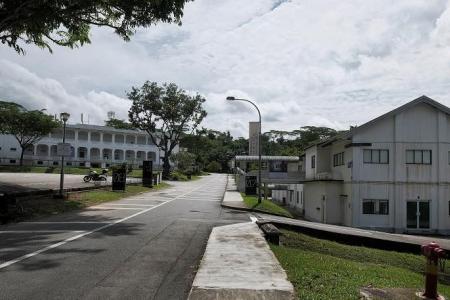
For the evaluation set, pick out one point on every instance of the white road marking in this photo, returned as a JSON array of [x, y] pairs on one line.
[[127, 204], [57, 222], [200, 200], [112, 207], [52, 246], [42, 231]]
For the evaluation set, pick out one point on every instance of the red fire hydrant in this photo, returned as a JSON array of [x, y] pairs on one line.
[[433, 253]]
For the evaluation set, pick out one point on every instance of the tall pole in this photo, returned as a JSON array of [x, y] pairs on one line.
[[64, 116], [259, 158], [61, 177], [230, 98]]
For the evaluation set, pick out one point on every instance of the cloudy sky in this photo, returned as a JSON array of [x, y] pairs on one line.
[[305, 62]]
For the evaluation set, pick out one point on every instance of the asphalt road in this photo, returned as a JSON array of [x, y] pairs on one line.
[[22, 182], [144, 247]]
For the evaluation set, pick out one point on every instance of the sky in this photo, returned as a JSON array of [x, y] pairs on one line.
[[327, 63]]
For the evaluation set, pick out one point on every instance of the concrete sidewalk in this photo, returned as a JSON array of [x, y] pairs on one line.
[[232, 197], [238, 264]]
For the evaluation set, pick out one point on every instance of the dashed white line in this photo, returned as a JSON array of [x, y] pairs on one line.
[[52, 246], [41, 231], [115, 208]]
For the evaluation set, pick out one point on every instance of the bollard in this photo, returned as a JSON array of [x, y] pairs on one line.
[[433, 253]]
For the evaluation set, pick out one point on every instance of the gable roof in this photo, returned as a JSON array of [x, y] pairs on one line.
[[347, 134], [420, 100]]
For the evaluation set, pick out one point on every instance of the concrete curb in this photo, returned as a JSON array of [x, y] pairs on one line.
[[357, 236], [239, 264], [253, 210], [67, 190]]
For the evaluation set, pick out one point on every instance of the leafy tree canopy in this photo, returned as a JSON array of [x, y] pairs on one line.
[[118, 124], [68, 22], [165, 112], [28, 127]]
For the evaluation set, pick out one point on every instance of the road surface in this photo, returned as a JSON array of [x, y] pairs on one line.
[[144, 247], [26, 182]]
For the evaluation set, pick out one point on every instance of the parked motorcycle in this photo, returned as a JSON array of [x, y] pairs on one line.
[[94, 176]]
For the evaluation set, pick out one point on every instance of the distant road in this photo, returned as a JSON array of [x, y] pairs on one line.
[[147, 246], [20, 182]]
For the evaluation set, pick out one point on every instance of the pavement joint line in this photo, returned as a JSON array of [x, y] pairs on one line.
[[52, 246]]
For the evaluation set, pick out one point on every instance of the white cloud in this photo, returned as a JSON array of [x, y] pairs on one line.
[[311, 62]]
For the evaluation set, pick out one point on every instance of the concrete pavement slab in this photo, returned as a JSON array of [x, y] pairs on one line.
[[238, 264]]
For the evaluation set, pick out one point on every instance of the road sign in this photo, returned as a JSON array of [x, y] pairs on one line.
[[63, 149]]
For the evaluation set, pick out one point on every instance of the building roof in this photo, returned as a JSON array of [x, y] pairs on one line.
[[421, 99], [266, 158], [105, 128], [349, 133]]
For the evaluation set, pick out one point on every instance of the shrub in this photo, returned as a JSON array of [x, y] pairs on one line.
[[50, 170], [213, 167], [177, 176]]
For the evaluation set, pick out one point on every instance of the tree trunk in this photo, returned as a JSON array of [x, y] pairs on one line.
[[166, 167], [21, 156]]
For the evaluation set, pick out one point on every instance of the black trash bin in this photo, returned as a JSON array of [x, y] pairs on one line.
[[4, 202], [119, 178]]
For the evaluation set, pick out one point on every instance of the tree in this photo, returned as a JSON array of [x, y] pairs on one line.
[[68, 22], [213, 167], [165, 112], [118, 124], [184, 161], [28, 127]]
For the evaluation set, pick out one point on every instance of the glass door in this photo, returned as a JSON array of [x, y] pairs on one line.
[[418, 214], [424, 214]]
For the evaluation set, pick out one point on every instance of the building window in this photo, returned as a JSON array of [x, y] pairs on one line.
[[376, 156], [375, 207], [338, 159], [40, 162], [12, 161], [55, 163], [422, 157], [313, 162], [13, 149]]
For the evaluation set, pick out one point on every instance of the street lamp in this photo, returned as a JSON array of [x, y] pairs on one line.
[[231, 98], [64, 117]]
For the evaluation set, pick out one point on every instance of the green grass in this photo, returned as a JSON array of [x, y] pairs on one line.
[[44, 206], [322, 269], [67, 170], [266, 206]]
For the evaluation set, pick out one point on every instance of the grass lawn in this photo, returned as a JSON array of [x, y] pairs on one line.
[[322, 269], [67, 170], [266, 206], [45, 206]]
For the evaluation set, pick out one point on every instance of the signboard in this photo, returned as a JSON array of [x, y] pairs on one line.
[[63, 149], [147, 173], [119, 179], [251, 183]]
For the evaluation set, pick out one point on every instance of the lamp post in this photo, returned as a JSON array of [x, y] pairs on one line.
[[231, 98], [64, 117]]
